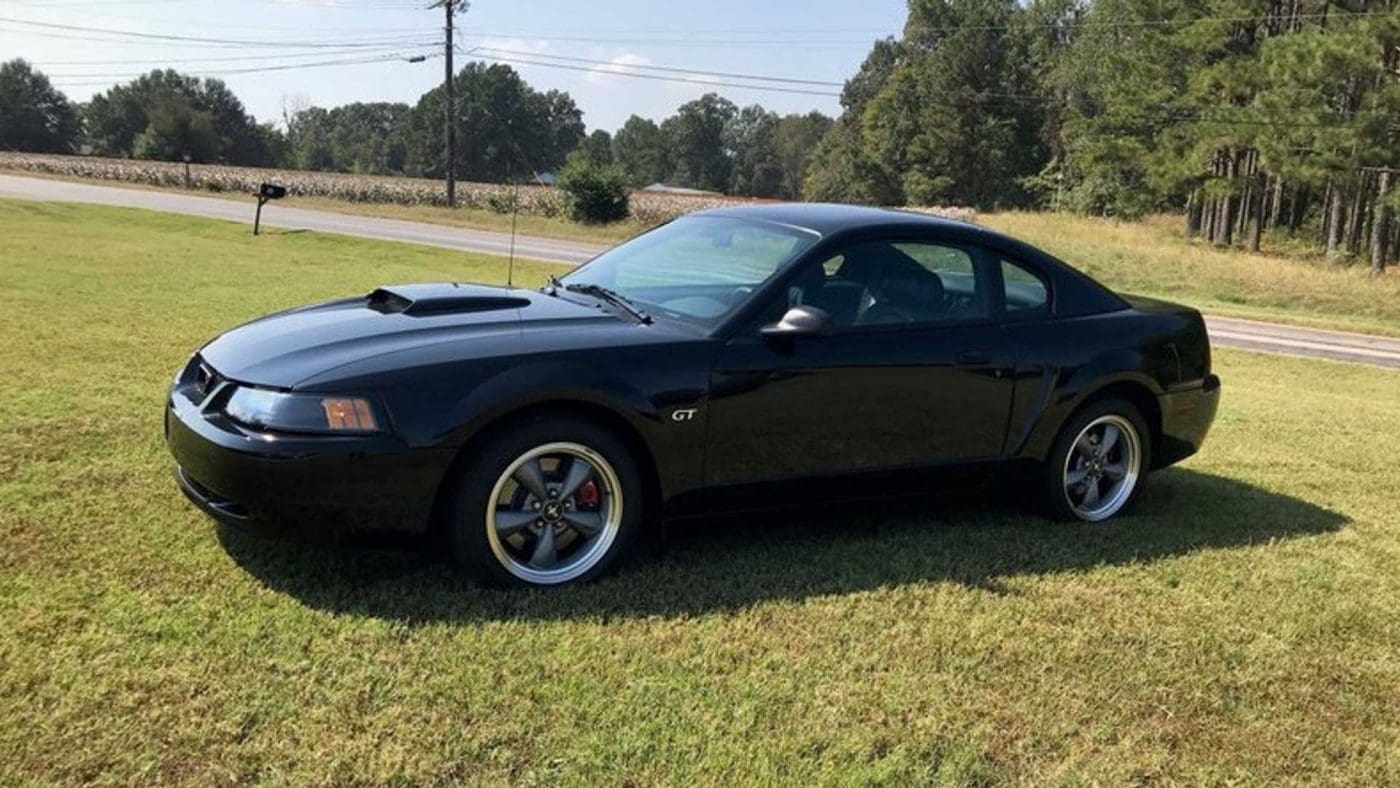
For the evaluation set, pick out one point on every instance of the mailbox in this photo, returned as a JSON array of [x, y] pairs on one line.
[[266, 191]]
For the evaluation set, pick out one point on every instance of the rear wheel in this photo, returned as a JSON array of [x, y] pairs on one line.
[[1096, 467], [554, 501]]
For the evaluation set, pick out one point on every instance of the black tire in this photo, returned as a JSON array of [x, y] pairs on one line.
[[1055, 496], [467, 534]]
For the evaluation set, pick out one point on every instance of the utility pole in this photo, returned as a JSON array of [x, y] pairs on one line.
[[449, 133]]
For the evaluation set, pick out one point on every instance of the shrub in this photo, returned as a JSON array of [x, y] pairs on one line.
[[595, 194]]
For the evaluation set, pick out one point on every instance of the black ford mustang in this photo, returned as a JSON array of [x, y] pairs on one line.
[[729, 359]]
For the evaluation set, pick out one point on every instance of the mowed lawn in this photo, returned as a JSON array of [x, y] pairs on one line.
[[1243, 626], [1152, 258]]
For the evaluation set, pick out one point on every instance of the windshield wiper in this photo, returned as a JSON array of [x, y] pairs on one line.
[[611, 296]]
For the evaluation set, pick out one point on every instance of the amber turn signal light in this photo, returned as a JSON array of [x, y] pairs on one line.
[[348, 414]]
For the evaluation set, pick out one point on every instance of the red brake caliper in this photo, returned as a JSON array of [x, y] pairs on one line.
[[588, 495]]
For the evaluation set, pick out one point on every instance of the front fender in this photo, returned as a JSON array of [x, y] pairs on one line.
[[531, 384], [640, 388]]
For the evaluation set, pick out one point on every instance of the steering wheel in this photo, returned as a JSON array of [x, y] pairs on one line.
[[883, 314], [738, 294]]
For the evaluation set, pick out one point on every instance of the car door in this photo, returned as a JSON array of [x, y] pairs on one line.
[[914, 372]]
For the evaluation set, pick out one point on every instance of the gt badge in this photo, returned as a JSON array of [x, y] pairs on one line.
[[684, 414]]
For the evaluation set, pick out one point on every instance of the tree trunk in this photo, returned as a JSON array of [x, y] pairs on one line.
[[1354, 219], [1245, 170], [1256, 220], [1380, 226], [1297, 205], [1193, 214], [1334, 221], [1224, 219], [1276, 203]]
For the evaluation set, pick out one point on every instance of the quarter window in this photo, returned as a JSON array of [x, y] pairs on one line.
[[1025, 291]]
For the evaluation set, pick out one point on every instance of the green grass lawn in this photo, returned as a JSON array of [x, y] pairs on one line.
[[1242, 627]]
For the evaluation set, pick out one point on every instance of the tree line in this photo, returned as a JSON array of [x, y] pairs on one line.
[[1252, 118], [506, 130]]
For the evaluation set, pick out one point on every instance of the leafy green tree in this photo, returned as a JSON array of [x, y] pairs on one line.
[[639, 148], [840, 170], [794, 140], [367, 138], [751, 138], [695, 135], [949, 119], [34, 116], [1117, 89], [176, 128], [505, 128], [870, 79], [597, 148], [309, 135], [115, 119]]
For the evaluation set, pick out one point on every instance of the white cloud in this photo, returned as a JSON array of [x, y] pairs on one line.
[[622, 64], [506, 48]]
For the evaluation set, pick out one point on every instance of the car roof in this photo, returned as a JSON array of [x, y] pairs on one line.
[[829, 218]]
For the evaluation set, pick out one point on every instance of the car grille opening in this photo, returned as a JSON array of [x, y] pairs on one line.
[[212, 499]]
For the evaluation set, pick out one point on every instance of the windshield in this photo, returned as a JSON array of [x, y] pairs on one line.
[[696, 268]]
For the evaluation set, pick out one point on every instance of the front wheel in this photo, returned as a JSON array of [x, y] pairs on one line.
[[1096, 467], [554, 501]]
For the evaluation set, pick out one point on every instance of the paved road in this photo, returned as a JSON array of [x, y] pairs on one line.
[[275, 215], [1295, 341], [1225, 332]]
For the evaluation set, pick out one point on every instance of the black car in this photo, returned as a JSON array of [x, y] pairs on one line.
[[735, 358]]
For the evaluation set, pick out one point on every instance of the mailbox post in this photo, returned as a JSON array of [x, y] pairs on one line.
[[267, 191]]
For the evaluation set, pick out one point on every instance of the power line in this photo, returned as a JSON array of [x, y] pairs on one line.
[[170, 61], [657, 77], [649, 67], [312, 44], [769, 32], [103, 79]]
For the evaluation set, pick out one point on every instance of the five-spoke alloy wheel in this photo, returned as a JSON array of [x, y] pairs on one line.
[[1098, 461], [554, 513], [546, 502]]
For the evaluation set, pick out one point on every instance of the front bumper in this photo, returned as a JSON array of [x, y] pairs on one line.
[[332, 483], [1186, 418]]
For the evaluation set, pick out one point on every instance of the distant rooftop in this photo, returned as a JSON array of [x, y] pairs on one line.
[[666, 188]]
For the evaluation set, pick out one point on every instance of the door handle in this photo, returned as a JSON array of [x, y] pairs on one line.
[[973, 357]]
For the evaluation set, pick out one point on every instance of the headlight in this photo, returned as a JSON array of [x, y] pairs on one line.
[[300, 412]]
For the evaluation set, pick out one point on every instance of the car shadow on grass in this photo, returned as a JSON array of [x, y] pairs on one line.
[[727, 563]]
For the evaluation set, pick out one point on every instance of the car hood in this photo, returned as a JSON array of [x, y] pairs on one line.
[[286, 348]]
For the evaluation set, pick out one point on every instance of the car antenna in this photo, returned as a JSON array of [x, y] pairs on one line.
[[514, 210]]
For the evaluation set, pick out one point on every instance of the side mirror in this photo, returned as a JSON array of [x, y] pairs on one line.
[[800, 322]]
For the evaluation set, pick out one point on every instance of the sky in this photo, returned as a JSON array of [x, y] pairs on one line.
[[591, 47]]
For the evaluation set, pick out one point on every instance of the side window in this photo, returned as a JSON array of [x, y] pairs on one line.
[[906, 282], [1025, 292]]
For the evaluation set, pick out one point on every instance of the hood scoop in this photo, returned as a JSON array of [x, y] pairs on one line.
[[441, 299]]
